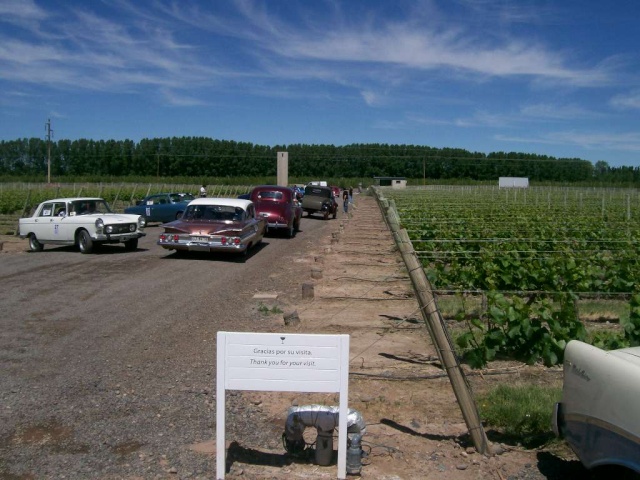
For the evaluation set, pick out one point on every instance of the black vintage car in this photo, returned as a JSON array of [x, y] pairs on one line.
[[320, 200]]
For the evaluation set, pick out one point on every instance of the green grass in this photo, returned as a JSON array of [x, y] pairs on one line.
[[265, 310], [521, 413]]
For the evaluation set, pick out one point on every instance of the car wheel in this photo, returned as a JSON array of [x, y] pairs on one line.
[[34, 244], [85, 244], [179, 215], [131, 245]]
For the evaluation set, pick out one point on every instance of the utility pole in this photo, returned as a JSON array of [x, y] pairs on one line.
[[47, 127]]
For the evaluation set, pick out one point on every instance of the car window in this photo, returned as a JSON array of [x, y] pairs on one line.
[[87, 207], [60, 209], [317, 191], [270, 195], [214, 212], [47, 210], [181, 197]]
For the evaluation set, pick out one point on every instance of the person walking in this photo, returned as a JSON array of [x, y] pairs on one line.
[[345, 200]]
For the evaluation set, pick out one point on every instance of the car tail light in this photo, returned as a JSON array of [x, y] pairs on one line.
[[169, 238], [223, 240], [236, 241]]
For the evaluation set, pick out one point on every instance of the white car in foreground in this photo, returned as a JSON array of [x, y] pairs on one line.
[[599, 415], [83, 221]]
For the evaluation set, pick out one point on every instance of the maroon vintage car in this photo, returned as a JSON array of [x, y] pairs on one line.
[[215, 225], [279, 206]]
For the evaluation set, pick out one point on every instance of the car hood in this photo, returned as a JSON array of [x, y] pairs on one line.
[[631, 354], [107, 218], [203, 227]]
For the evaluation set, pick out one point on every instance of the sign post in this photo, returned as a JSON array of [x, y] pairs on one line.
[[282, 363]]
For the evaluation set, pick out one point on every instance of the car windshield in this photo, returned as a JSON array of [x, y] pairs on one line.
[[213, 212], [88, 207], [181, 197]]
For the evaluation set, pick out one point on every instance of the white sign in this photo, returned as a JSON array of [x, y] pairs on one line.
[[282, 363]]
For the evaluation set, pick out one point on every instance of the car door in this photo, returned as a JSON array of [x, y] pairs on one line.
[[47, 223], [253, 222], [64, 228], [152, 208], [165, 209]]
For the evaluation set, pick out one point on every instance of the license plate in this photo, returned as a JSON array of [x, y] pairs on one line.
[[200, 239]]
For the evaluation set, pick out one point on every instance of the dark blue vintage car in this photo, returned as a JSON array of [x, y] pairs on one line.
[[161, 207]]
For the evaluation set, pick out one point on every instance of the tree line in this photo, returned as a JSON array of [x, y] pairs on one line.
[[207, 157]]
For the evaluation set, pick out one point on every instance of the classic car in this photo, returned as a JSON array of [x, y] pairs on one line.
[[279, 206], [599, 413], [215, 225], [319, 199], [84, 221], [161, 207]]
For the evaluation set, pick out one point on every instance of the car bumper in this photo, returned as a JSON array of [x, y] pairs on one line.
[[557, 421], [277, 225], [212, 244], [203, 247], [117, 238]]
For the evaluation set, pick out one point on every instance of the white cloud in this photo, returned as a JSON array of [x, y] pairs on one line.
[[628, 101], [629, 142], [20, 11], [550, 111]]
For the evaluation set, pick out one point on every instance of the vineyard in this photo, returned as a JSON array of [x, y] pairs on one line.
[[526, 270]]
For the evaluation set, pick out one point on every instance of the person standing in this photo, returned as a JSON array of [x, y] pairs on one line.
[[203, 191], [345, 200]]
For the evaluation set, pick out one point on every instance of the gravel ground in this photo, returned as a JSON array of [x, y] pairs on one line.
[[108, 360]]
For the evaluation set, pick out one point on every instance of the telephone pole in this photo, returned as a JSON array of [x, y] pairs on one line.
[[47, 127]]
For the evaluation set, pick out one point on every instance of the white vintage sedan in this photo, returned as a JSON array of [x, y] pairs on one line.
[[84, 221], [599, 415]]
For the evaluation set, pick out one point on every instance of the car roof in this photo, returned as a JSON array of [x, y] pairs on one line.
[[169, 193], [230, 202], [271, 187], [74, 199]]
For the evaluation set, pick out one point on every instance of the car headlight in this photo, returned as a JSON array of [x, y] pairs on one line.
[[109, 229], [141, 222], [99, 224]]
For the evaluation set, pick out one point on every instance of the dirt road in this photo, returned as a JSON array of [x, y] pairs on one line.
[[108, 360]]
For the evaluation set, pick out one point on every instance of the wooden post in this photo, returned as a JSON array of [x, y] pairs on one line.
[[439, 335]]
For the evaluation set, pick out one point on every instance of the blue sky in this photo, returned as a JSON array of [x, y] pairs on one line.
[[558, 78]]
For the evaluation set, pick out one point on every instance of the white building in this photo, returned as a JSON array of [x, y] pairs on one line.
[[513, 182]]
